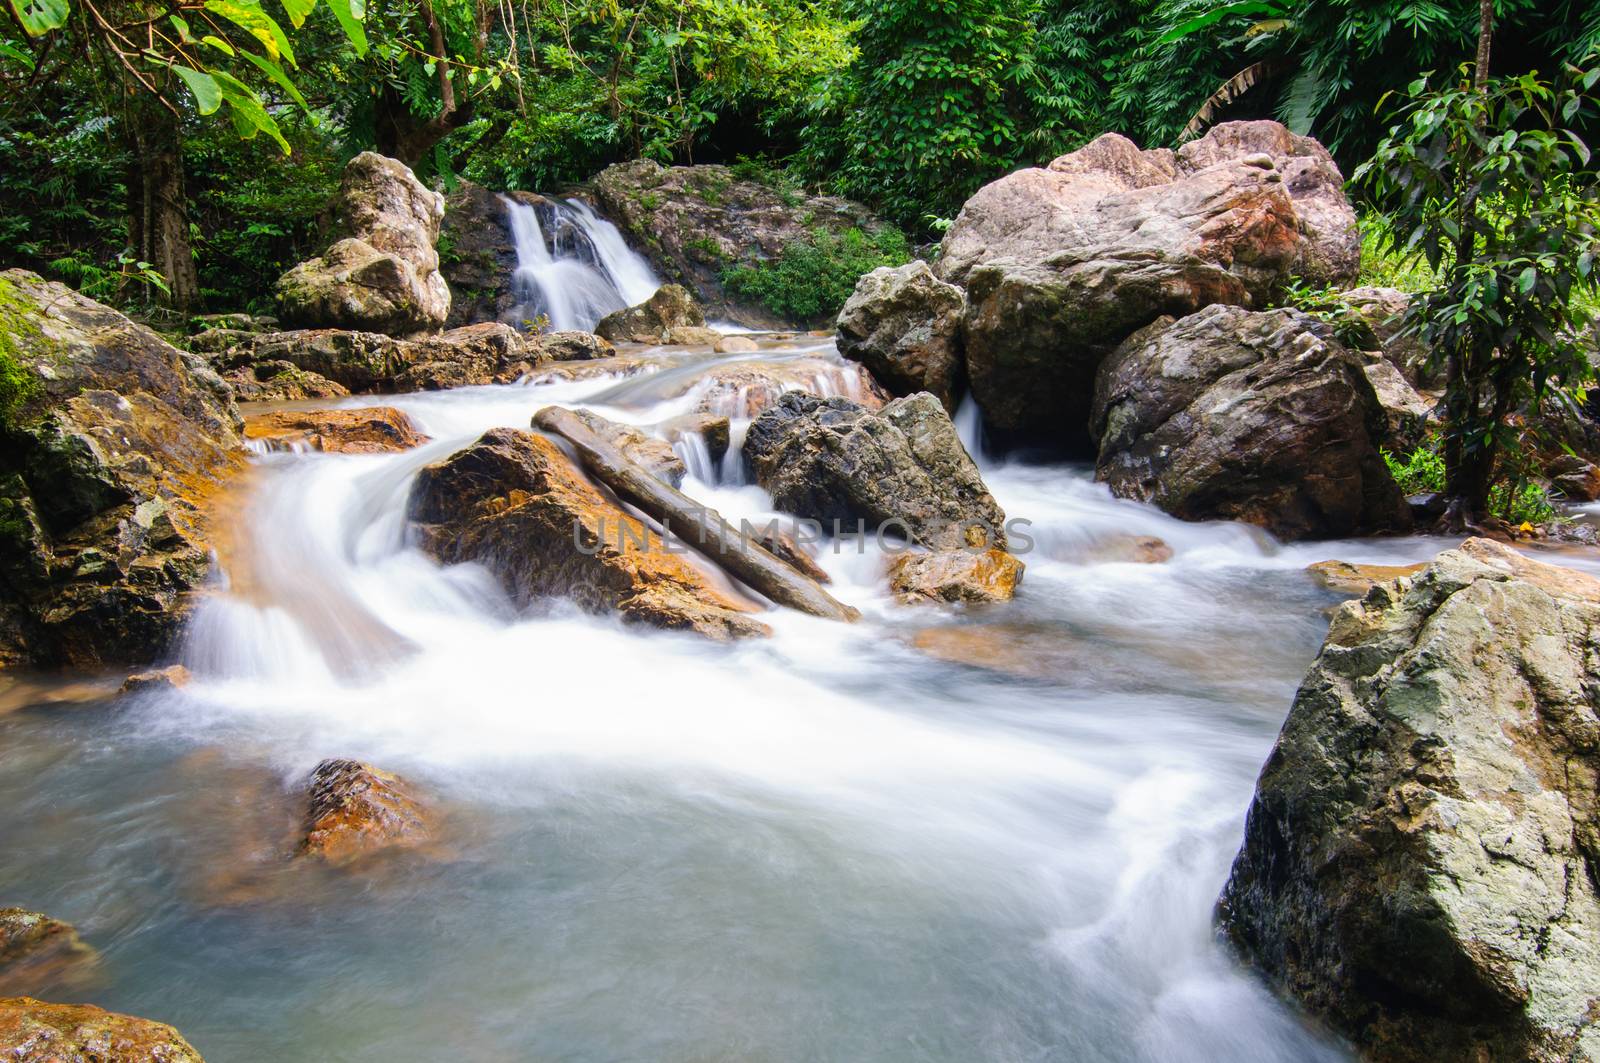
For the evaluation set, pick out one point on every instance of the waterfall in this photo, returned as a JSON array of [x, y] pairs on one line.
[[580, 272]]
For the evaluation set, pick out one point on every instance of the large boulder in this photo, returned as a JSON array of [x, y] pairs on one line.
[[516, 504], [655, 319], [32, 1031], [1421, 862], [369, 430], [1061, 264], [112, 444], [697, 223], [904, 325], [832, 460], [382, 273], [1257, 416]]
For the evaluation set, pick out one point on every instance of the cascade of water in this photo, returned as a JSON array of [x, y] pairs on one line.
[[581, 272], [969, 429]]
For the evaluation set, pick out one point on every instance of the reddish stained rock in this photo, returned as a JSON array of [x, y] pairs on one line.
[[35, 949], [955, 576], [169, 678], [357, 810], [369, 430]]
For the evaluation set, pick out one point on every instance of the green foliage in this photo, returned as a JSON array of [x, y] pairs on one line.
[[1519, 502], [1420, 472], [1513, 499], [811, 279], [1330, 306], [1496, 193], [1385, 264], [18, 383]]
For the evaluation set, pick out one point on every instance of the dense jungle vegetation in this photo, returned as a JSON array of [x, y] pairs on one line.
[[122, 175]]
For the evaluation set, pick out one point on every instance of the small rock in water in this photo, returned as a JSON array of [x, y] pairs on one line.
[[693, 336], [736, 345], [783, 546], [173, 677], [32, 1031], [955, 576], [36, 949], [357, 810], [1358, 579]]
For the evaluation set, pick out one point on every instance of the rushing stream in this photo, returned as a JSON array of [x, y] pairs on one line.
[[836, 844]]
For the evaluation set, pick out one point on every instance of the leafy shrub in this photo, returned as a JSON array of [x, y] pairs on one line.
[[1385, 265], [1515, 500], [1329, 305], [811, 279], [1420, 472]]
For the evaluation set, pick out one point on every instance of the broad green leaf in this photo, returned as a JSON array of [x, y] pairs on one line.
[[275, 72], [1248, 7], [218, 43], [39, 17], [248, 16], [207, 96], [183, 29], [247, 111], [350, 14], [297, 10], [1527, 279]]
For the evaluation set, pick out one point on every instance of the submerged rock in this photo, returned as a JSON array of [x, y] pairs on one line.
[[655, 319], [1421, 859], [163, 680], [1261, 417], [1062, 264], [382, 273], [904, 325], [955, 576], [357, 810], [516, 504], [36, 949], [902, 468], [32, 1031], [114, 443], [370, 430], [743, 389], [715, 431], [698, 223]]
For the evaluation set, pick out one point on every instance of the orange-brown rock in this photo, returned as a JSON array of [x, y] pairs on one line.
[[369, 430], [955, 576], [172, 677], [32, 1031], [1130, 549], [35, 949], [783, 546], [515, 503], [1350, 578], [357, 810]]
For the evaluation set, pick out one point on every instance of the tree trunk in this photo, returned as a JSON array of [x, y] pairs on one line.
[[158, 227], [400, 133], [700, 527], [1480, 73]]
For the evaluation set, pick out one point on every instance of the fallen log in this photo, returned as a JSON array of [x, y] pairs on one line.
[[700, 527]]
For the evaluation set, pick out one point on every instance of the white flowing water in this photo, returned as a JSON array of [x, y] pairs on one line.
[[577, 272], [992, 834]]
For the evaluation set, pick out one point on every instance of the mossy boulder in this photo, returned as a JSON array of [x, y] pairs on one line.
[[115, 443]]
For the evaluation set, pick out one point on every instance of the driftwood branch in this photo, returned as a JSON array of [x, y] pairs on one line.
[[698, 526]]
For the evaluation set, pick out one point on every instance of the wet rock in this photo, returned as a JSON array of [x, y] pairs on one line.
[[647, 451], [653, 320], [280, 382], [233, 322], [112, 449], [901, 467], [159, 680], [382, 272], [1576, 478], [36, 949], [481, 257], [1127, 549], [714, 430], [32, 1031], [357, 810], [1405, 413], [693, 336], [1261, 417], [743, 389], [1349, 578], [1420, 860], [736, 345], [904, 325], [1062, 264], [516, 504], [370, 430], [368, 361], [955, 576], [697, 223], [572, 346]]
